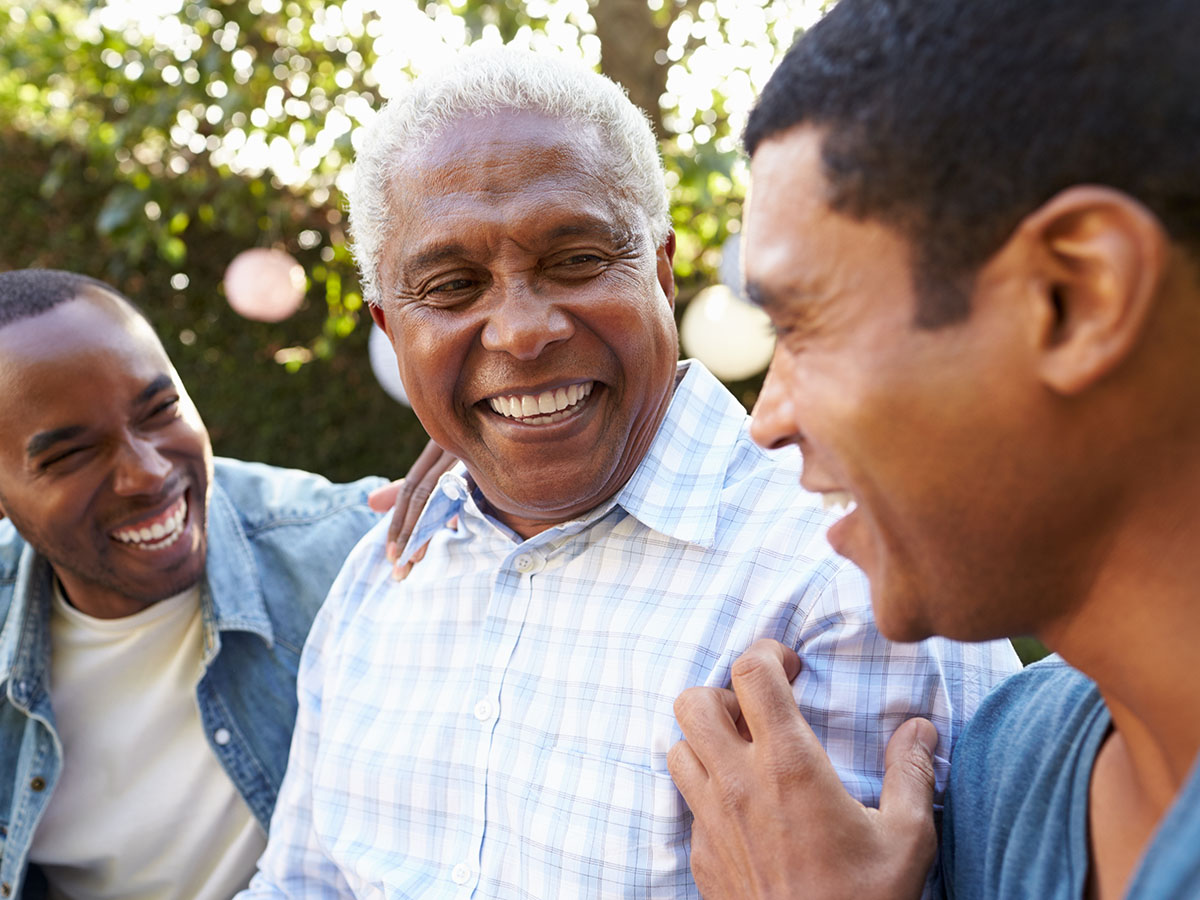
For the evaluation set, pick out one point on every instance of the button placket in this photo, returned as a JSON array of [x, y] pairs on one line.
[[461, 873], [483, 710]]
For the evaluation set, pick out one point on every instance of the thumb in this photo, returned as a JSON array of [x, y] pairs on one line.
[[383, 498], [906, 801]]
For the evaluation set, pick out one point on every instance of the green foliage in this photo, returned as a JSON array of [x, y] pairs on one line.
[[149, 149], [1029, 649]]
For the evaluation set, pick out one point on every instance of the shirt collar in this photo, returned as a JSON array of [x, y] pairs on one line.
[[675, 489], [25, 641], [234, 588]]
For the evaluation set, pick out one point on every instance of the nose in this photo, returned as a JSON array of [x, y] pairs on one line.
[[773, 421], [140, 468], [524, 322]]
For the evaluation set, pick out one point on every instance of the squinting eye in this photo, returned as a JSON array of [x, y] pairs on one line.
[[458, 284], [61, 457], [168, 406]]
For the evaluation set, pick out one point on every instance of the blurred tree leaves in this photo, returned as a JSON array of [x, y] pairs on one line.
[[172, 133]]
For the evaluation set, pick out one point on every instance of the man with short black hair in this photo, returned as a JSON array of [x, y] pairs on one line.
[[976, 226], [155, 604]]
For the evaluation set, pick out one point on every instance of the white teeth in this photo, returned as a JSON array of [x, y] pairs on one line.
[[158, 536], [541, 408], [837, 501]]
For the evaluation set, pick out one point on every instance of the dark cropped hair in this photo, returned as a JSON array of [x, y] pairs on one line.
[[30, 292], [951, 120]]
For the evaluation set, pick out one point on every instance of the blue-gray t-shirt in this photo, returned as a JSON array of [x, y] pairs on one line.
[[1016, 816]]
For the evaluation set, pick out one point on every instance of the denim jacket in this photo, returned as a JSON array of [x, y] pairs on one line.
[[276, 539]]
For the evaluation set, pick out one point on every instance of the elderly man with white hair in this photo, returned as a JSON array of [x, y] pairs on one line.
[[497, 725]]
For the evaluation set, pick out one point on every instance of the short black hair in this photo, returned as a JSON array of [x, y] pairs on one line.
[[951, 120], [25, 293]]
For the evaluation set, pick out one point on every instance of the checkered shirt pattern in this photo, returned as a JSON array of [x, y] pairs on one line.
[[497, 725]]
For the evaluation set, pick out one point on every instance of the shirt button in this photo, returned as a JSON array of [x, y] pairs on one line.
[[222, 736], [483, 710], [461, 873], [38, 783], [524, 562]]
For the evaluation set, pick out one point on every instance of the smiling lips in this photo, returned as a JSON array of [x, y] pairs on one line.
[[543, 408], [157, 532]]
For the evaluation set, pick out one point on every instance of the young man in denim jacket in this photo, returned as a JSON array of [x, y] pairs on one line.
[[155, 604]]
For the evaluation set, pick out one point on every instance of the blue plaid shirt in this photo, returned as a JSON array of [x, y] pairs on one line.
[[497, 725]]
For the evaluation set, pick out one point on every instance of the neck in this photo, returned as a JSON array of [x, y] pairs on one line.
[[97, 602], [1136, 633]]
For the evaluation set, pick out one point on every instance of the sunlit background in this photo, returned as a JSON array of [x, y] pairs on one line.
[[151, 143]]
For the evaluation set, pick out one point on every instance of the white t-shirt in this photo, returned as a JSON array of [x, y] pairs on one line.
[[142, 809]]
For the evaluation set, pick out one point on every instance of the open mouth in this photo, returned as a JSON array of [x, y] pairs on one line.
[[544, 408], [839, 502], [157, 532]]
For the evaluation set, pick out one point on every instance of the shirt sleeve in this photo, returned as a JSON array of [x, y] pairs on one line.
[[856, 687], [295, 865]]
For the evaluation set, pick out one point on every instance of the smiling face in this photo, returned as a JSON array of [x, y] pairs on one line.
[[530, 312], [942, 438], [104, 462]]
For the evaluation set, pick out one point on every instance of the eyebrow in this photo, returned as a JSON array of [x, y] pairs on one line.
[[589, 225], [159, 384], [44, 440], [437, 255]]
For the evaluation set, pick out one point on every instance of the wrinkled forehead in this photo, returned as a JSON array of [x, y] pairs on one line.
[[514, 152]]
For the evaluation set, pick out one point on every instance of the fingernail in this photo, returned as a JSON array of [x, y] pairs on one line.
[[399, 573], [392, 550]]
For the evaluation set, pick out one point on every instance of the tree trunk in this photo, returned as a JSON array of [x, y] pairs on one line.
[[629, 40]]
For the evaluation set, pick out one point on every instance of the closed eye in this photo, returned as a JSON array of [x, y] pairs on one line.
[[62, 456]]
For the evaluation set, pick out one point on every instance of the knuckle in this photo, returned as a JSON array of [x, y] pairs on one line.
[[920, 770], [684, 704], [731, 794], [675, 757], [749, 666]]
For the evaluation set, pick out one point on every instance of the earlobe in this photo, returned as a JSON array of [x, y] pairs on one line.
[[1104, 256], [380, 320], [666, 267]]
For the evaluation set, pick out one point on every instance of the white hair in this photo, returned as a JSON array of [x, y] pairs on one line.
[[482, 80]]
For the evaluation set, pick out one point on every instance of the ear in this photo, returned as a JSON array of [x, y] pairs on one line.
[[377, 315], [1102, 257], [666, 267]]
